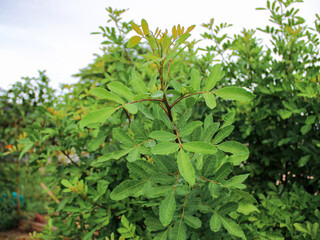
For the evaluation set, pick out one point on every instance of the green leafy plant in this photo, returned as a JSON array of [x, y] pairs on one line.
[[173, 162]]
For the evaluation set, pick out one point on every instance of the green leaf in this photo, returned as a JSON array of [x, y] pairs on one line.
[[247, 208], [215, 76], [125, 222], [246, 196], [126, 189], [215, 223], [131, 108], [179, 231], [139, 130], [66, 183], [113, 155], [223, 172], [185, 167], [240, 151], [137, 171], [122, 137], [102, 186], [228, 119], [208, 166], [95, 143], [133, 41], [121, 89], [153, 224], [305, 129], [228, 208], [311, 119], [165, 148], [235, 93], [303, 160], [182, 39], [192, 221], [159, 191], [105, 94], [165, 164], [300, 227], [214, 189], [133, 154], [223, 133], [137, 83], [232, 227], [163, 136], [98, 116], [161, 236], [195, 79], [187, 130], [233, 147], [200, 147], [157, 94], [167, 209], [210, 100], [210, 131], [236, 181]]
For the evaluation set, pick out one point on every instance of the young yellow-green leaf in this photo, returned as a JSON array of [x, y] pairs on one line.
[[163, 136], [121, 89], [195, 79], [105, 94], [145, 27], [185, 167], [215, 75], [189, 29], [133, 41], [215, 223], [210, 100], [192, 221], [235, 93], [165, 148], [126, 189], [138, 84], [167, 209], [223, 133], [200, 147], [136, 28], [232, 227], [98, 116]]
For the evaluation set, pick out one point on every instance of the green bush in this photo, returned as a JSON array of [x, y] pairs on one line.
[[143, 146]]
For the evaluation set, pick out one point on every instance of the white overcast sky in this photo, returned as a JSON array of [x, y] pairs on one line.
[[54, 35]]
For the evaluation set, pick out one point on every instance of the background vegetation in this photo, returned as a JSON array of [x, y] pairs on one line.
[[85, 164]]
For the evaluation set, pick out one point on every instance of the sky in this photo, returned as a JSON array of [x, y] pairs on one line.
[[54, 35]]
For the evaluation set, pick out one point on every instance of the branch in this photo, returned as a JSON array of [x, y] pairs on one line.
[[189, 95]]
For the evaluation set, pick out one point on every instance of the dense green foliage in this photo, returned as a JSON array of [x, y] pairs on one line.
[[148, 144]]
